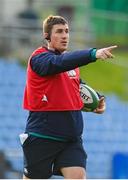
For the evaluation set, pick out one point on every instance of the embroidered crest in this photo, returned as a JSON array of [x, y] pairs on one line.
[[71, 73]]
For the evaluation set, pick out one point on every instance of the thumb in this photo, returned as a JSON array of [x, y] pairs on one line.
[[102, 99]]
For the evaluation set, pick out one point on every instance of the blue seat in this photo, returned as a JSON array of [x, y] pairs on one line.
[[120, 166]]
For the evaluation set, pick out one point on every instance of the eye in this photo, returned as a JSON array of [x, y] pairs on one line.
[[59, 30], [67, 31]]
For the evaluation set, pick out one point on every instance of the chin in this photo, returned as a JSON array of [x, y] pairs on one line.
[[63, 49]]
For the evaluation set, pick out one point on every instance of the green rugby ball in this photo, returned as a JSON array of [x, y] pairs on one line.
[[89, 97]]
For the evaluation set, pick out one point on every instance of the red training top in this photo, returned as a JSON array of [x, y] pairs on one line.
[[58, 92]]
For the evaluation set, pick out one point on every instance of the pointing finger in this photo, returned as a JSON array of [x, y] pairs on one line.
[[111, 48]]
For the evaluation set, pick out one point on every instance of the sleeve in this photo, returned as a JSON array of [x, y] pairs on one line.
[[100, 95], [82, 82], [48, 63]]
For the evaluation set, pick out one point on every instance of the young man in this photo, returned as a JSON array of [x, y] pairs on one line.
[[52, 142]]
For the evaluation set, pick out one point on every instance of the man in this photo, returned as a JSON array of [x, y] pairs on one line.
[[52, 142]]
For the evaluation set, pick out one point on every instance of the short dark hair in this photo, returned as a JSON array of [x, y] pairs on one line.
[[50, 21]]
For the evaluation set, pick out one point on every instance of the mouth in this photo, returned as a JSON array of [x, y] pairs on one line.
[[64, 43]]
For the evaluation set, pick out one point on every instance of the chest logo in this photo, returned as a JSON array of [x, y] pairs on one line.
[[71, 73]]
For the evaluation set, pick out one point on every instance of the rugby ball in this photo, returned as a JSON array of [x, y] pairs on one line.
[[89, 97]]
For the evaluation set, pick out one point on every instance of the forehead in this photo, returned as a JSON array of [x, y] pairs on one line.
[[60, 26]]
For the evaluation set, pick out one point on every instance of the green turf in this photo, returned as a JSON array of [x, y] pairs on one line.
[[109, 77]]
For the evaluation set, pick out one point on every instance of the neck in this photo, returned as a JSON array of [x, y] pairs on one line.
[[50, 48]]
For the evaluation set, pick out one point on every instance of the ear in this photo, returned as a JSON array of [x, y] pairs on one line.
[[45, 35]]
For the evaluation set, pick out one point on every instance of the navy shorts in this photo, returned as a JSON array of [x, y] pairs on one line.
[[44, 158]]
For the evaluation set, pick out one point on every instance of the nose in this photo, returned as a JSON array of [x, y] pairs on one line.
[[65, 35]]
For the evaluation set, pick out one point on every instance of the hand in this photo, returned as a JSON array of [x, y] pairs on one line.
[[105, 53], [101, 107]]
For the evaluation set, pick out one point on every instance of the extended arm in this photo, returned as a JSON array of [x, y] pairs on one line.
[[49, 63]]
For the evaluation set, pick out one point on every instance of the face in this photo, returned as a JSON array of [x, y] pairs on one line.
[[59, 37]]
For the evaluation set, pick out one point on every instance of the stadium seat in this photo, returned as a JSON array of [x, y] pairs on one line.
[[120, 166]]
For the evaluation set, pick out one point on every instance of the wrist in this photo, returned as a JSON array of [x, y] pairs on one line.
[[93, 54]]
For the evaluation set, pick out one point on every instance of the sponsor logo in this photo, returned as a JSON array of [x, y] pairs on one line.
[[44, 98]]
